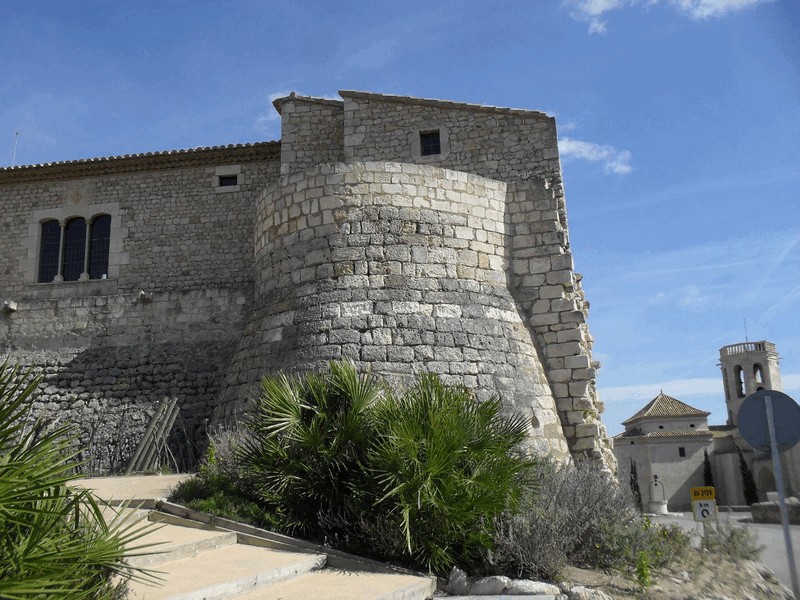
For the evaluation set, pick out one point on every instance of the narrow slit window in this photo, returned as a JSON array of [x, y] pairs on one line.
[[681, 452], [228, 180], [99, 242], [74, 249], [429, 143], [48, 251]]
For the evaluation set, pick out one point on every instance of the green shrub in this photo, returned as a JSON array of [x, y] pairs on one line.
[[736, 543], [579, 517], [307, 446], [416, 478], [54, 540], [446, 466], [220, 488]]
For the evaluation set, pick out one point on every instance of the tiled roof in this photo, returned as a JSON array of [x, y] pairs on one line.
[[721, 431], [666, 434], [147, 161], [666, 406]]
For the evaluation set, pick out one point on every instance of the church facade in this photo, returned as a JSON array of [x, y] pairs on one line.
[[672, 442]]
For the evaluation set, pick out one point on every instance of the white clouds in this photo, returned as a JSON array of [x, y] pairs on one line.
[[706, 9], [592, 11], [675, 388], [374, 56], [262, 122], [614, 160], [692, 298]]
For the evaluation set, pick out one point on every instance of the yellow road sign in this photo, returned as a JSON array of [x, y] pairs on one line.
[[707, 492]]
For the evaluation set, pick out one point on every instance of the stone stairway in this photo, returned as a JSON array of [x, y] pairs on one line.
[[199, 557]]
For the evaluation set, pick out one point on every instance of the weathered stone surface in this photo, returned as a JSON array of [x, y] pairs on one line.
[[352, 245], [580, 592], [457, 583], [519, 587], [487, 586]]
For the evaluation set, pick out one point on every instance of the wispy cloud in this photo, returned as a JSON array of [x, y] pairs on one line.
[[593, 11], [614, 160], [374, 56], [694, 386], [674, 387], [265, 122]]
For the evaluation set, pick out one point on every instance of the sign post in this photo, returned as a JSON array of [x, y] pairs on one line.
[[753, 419], [704, 504]]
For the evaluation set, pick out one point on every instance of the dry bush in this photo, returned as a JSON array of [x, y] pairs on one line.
[[579, 517]]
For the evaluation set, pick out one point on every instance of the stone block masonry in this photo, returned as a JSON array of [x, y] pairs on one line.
[[349, 239]]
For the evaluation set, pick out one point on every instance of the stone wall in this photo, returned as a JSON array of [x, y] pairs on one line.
[[108, 360], [398, 267], [311, 132], [166, 320], [504, 144], [176, 230]]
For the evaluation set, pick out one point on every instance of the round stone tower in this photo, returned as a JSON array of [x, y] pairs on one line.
[[372, 262]]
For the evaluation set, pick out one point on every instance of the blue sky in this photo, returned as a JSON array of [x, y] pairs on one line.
[[679, 126]]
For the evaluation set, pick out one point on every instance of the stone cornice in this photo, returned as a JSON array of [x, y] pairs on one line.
[[278, 102], [148, 161], [444, 104]]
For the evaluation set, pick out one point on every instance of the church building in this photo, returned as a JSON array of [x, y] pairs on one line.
[[671, 443]]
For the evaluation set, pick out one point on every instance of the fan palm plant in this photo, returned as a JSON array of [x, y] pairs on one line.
[[446, 465], [54, 540], [308, 442]]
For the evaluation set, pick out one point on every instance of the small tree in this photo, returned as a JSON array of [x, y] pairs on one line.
[[634, 483], [708, 475], [748, 483]]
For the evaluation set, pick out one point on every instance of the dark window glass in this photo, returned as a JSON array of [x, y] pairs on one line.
[[429, 143], [99, 240], [74, 249], [48, 251], [681, 451], [226, 180]]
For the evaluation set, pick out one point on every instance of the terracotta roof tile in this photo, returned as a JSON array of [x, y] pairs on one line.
[[666, 434], [145, 161], [666, 406]]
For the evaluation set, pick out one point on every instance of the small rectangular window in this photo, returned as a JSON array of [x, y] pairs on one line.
[[228, 180], [681, 451], [429, 143]]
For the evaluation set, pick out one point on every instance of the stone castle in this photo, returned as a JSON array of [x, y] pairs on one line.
[[405, 234]]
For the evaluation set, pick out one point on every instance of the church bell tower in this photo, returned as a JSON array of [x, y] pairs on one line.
[[746, 368]]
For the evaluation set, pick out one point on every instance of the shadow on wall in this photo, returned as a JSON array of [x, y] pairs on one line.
[[110, 394]]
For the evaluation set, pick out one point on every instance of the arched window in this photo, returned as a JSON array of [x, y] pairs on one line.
[[738, 372], [74, 249], [99, 242], [758, 373], [49, 249]]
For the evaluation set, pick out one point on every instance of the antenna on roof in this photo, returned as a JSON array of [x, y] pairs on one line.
[[14, 154], [745, 330]]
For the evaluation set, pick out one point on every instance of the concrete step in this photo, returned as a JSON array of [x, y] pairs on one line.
[[225, 572], [172, 543], [339, 584]]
